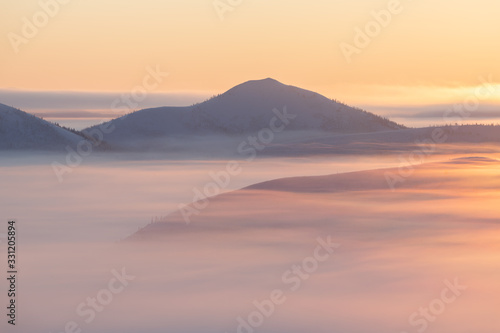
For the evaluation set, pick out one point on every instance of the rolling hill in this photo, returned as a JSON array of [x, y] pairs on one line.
[[245, 109], [22, 131]]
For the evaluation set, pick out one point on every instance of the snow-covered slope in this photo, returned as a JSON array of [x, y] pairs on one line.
[[20, 130], [316, 200], [370, 180], [247, 108]]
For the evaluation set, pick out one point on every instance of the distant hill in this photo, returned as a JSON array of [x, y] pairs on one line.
[[245, 109], [22, 131]]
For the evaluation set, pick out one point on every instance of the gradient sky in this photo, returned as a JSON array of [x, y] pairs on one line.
[[432, 52]]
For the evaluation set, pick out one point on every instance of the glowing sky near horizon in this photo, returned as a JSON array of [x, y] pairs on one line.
[[431, 52]]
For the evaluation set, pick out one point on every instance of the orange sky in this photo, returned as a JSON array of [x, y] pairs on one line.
[[425, 52]]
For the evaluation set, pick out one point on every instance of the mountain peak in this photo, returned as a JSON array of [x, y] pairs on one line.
[[268, 80], [262, 84]]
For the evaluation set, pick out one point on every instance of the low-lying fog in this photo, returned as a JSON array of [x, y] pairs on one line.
[[408, 260], [106, 199]]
